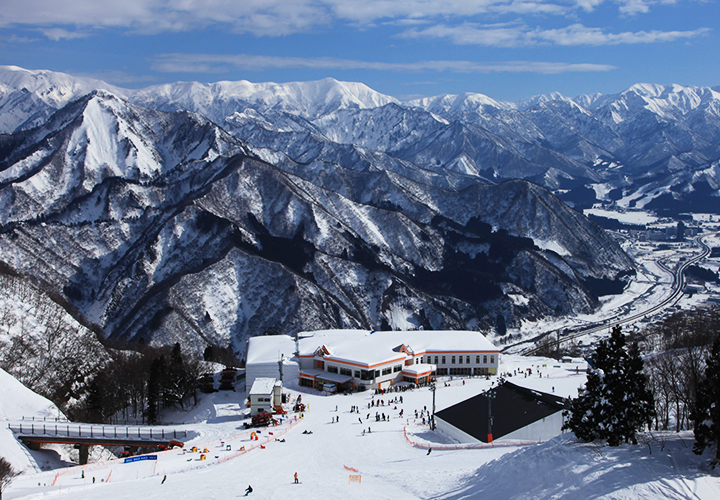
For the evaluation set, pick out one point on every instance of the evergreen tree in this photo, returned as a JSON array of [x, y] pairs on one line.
[[706, 414], [156, 383], [615, 403]]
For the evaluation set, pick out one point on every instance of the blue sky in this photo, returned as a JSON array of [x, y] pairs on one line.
[[507, 49]]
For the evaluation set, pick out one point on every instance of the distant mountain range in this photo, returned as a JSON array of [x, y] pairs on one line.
[[208, 213], [651, 146]]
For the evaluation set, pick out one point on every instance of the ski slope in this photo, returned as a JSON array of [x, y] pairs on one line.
[[388, 466]]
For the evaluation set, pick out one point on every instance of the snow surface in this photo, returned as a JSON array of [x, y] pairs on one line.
[[628, 217], [389, 466]]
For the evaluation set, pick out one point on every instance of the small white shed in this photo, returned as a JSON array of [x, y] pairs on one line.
[[265, 395]]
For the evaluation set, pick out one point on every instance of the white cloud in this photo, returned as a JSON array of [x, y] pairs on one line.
[[521, 35], [285, 17], [632, 7], [578, 34], [472, 34], [56, 34], [214, 63], [260, 17]]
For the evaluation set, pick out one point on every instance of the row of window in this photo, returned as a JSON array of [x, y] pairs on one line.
[[442, 359], [364, 374], [463, 371], [439, 360]]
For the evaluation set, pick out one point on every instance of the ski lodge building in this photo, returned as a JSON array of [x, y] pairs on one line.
[[340, 360]]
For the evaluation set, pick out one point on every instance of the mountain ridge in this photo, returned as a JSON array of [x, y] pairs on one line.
[[221, 240]]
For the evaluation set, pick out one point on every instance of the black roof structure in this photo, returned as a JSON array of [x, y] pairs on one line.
[[513, 408]]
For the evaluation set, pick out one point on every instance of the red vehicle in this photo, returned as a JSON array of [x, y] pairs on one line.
[[261, 420]]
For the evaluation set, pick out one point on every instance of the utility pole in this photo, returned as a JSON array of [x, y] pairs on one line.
[[490, 395], [432, 388]]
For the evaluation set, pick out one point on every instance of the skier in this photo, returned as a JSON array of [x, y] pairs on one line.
[[248, 490], [164, 478], [360, 420], [429, 450], [296, 478]]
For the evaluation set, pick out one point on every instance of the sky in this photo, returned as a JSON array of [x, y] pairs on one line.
[[506, 49]]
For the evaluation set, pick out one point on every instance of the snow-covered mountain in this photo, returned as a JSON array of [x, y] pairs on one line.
[[629, 146], [166, 227]]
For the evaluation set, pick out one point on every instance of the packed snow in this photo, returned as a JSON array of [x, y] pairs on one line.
[[345, 444]]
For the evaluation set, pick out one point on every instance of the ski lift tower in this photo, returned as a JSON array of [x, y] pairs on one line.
[[490, 395], [433, 388]]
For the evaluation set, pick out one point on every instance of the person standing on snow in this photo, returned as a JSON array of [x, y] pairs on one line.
[[248, 490], [296, 478]]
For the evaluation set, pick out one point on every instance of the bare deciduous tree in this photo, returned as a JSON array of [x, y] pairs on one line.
[[7, 474]]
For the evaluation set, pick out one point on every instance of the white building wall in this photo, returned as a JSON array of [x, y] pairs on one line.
[[258, 403], [291, 370], [542, 430], [454, 432]]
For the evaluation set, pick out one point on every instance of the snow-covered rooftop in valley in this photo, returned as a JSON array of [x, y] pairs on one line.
[[262, 386], [270, 348], [628, 217], [378, 347], [388, 459]]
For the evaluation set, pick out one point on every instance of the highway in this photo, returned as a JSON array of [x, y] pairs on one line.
[[678, 285]]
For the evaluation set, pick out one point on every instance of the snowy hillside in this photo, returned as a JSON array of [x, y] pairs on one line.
[[16, 402], [43, 346], [389, 466], [165, 227]]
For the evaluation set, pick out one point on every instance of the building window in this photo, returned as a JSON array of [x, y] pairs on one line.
[[436, 360], [484, 360], [397, 368], [460, 359], [452, 360], [377, 373], [443, 360], [357, 373], [477, 360], [468, 360], [367, 375], [492, 360], [346, 371], [332, 369]]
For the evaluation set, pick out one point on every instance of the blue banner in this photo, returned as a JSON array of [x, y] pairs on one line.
[[141, 457]]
